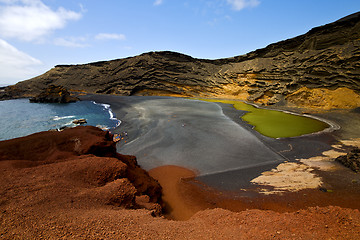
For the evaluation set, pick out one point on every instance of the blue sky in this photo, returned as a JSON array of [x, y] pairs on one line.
[[36, 35]]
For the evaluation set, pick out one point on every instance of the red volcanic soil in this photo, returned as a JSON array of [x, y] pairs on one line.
[[73, 185], [177, 201], [70, 149]]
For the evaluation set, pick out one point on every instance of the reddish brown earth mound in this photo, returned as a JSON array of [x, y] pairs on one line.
[[76, 165], [73, 185]]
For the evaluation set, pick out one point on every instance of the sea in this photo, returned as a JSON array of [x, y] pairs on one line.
[[20, 118]]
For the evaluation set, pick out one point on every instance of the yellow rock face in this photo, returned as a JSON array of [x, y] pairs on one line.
[[321, 98], [231, 91]]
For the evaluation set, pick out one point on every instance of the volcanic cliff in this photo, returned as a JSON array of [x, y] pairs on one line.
[[319, 69]]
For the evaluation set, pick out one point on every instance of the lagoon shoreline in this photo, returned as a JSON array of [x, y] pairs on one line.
[[233, 182]]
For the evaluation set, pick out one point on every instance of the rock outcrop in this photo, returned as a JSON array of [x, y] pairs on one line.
[[79, 121], [54, 94], [78, 166], [326, 57], [351, 160]]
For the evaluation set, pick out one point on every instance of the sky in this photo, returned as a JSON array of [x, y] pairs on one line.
[[36, 35]]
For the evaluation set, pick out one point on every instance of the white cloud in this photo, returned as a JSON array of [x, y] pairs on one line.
[[16, 65], [238, 5], [31, 20], [74, 42], [158, 2], [110, 36]]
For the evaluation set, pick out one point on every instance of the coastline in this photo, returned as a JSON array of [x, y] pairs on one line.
[[111, 113], [32, 208], [235, 182], [185, 130], [332, 126], [183, 170], [20, 118]]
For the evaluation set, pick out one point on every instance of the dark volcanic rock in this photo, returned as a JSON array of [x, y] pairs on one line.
[[54, 94], [326, 57], [80, 121], [351, 160]]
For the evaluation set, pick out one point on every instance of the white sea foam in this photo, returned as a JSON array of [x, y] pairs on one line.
[[103, 127], [112, 116], [70, 124], [57, 118]]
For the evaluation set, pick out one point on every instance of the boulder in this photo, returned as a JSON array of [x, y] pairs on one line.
[[80, 121], [54, 94], [351, 160]]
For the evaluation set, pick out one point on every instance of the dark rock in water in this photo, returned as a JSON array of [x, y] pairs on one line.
[[63, 128], [54, 94], [351, 160], [80, 121]]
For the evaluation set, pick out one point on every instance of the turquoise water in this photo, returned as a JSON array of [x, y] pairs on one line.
[[20, 118]]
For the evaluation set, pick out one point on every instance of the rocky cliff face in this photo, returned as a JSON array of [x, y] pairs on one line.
[[54, 94], [325, 58]]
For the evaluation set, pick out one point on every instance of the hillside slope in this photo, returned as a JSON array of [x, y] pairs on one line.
[[326, 58]]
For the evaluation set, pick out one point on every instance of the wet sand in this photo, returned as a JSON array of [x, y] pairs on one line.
[[209, 137], [195, 135]]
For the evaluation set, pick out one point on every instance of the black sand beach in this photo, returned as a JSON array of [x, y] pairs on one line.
[[208, 138]]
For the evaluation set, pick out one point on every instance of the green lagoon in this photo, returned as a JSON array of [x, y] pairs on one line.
[[275, 124]]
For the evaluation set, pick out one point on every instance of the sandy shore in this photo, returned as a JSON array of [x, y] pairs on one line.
[[231, 158], [207, 137]]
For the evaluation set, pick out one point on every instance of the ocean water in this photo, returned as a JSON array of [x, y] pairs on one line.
[[19, 117]]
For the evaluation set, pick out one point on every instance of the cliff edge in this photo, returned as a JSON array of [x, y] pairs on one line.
[[76, 167]]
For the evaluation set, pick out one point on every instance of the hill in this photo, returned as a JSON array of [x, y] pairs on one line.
[[320, 68]]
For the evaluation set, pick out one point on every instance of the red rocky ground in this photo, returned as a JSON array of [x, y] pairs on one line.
[[73, 185]]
